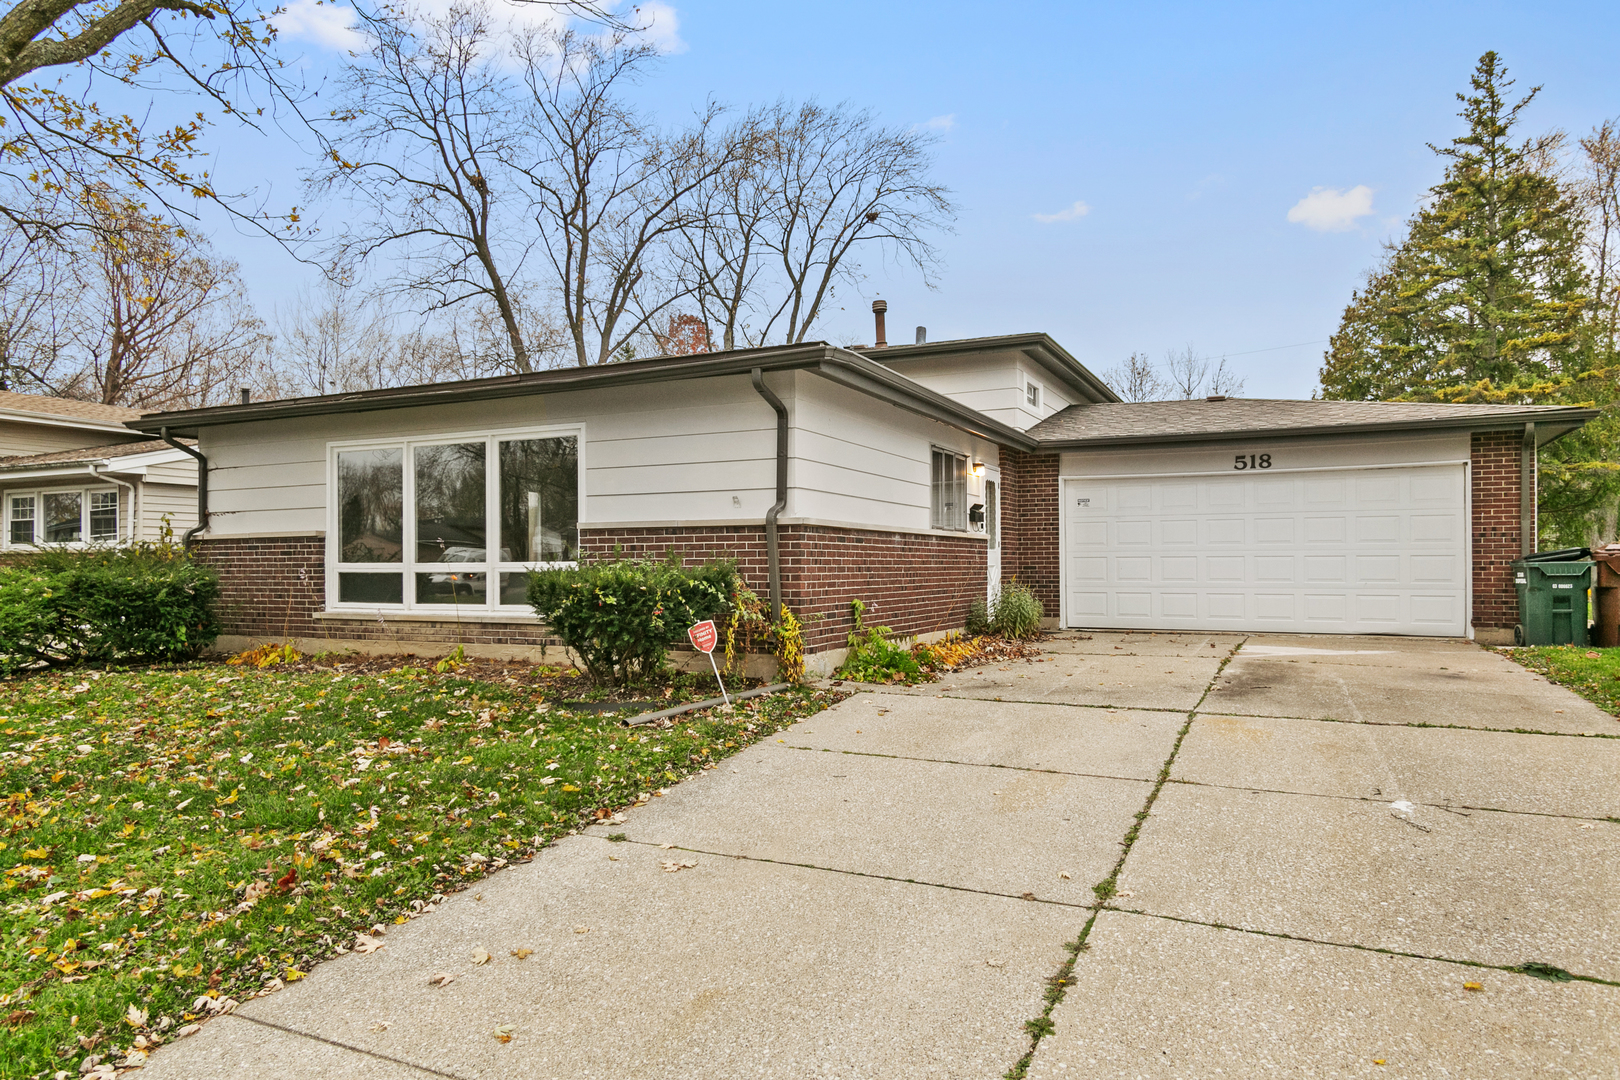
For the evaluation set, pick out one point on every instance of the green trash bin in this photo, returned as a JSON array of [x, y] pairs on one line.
[[1552, 599]]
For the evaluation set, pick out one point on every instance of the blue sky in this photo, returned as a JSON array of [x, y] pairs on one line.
[[1125, 172]]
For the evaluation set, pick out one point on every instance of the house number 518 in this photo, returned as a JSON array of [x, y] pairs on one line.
[[1253, 461]]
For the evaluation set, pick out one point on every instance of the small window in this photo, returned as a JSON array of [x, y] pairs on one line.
[[948, 509], [1032, 394], [103, 516], [64, 517], [22, 520]]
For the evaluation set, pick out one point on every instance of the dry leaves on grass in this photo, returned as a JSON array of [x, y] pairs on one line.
[[365, 943]]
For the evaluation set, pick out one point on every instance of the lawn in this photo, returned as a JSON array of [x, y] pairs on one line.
[[1592, 673], [179, 838]]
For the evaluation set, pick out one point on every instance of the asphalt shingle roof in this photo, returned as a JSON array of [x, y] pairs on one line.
[[55, 406], [1172, 419], [88, 454]]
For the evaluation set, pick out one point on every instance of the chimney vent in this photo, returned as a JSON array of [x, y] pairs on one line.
[[878, 308], [922, 335], [246, 395], [1216, 397]]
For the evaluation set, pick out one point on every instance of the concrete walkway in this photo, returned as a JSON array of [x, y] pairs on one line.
[[1347, 843]]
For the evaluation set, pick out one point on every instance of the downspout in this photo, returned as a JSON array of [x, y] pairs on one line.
[[202, 488], [773, 551], [132, 497], [1527, 491]]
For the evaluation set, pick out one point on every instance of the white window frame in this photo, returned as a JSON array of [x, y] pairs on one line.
[[84, 492], [936, 510], [408, 568], [1032, 394]]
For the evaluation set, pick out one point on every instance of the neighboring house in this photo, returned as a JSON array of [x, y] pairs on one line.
[[916, 478], [74, 473]]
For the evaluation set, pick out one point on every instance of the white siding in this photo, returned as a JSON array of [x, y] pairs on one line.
[[862, 461], [666, 453], [177, 500], [993, 383]]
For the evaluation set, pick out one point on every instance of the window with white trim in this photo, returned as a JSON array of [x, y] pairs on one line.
[[451, 523], [1032, 395], [62, 517], [948, 505]]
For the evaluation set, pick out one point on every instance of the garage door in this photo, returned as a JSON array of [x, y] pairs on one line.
[[1337, 551]]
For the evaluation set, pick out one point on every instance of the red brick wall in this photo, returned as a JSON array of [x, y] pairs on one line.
[[272, 587], [1495, 459], [913, 583], [1029, 516]]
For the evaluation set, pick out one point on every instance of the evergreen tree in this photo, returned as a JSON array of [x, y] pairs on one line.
[[1489, 282]]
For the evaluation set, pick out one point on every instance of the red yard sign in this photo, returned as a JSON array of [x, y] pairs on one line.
[[703, 636]]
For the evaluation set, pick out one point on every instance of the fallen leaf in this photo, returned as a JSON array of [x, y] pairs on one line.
[[441, 978], [381, 1025], [667, 847], [135, 1016], [522, 954], [1029, 896], [996, 963], [187, 1031], [582, 929], [504, 1033], [19, 1017], [1064, 874], [365, 943], [1473, 986], [479, 958], [674, 866]]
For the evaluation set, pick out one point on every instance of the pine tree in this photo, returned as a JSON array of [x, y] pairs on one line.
[[1489, 282]]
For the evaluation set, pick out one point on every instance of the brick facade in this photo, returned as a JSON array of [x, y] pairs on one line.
[[1495, 458], [913, 583], [1029, 525]]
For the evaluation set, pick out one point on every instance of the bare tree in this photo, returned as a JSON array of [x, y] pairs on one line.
[[1224, 381], [158, 322], [1136, 379], [611, 194], [1598, 189], [332, 340], [35, 298], [1185, 372], [420, 146]]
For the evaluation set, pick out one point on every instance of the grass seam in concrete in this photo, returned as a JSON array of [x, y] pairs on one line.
[[346, 1046], [1511, 969], [1057, 986], [1414, 724], [969, 764]]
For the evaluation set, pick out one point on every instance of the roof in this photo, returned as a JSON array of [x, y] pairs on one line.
[[1041, 349], [1204, 420], [88, 455], [65, 408], [832, 363]]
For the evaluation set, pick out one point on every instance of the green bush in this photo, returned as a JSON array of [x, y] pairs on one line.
[[621, 617], [1016, 612], [63, 606], [978, 618], [873, 657]]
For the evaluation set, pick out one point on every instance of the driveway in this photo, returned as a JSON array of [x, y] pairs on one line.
[[1349, 850]]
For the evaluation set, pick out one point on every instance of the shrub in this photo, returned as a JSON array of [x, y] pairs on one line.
[[64, 606], [978, 619], [1016, 612], [621, 617], [873, 657]]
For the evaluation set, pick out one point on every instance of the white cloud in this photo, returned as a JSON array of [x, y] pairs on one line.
[[662, 27], [1074, 213], [328, 24], [941, 123], [1331, 210]]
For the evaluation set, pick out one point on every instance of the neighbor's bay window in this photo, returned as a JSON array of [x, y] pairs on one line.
[[62, 517], [452, 524]]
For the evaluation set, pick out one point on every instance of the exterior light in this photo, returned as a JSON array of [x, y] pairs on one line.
[[978, 468]]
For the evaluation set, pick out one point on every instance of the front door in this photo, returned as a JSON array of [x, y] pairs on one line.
[[992, 531]]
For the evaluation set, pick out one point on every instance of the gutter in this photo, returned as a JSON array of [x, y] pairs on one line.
[[202, 487], [1527, 491], [773, 548]]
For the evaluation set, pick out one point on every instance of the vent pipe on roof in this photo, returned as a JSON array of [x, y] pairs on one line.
[[878, 308], [246, 395], [922, 335]]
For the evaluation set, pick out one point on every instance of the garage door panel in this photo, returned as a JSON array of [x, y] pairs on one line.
[[1352, 551]]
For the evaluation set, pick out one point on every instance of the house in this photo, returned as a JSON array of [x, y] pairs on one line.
[[916, 478], [72, 472]]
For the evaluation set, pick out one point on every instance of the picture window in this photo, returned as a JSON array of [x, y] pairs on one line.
[[948, 505], [62, 517]]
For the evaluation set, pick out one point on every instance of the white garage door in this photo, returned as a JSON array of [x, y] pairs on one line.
[[1335, 551]]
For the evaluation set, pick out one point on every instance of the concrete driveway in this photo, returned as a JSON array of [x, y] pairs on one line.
[[1347, 847]]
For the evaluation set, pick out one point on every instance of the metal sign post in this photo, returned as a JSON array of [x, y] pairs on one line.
[[704, 638]]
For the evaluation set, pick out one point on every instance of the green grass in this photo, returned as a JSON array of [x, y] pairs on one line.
[[1592, 673], [208, 830]]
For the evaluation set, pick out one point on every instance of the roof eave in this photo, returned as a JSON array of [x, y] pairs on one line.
[[1556, 424], [849, 368], [1040, 348]]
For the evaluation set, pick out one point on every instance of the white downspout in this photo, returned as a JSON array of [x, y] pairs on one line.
[[132, 497]]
